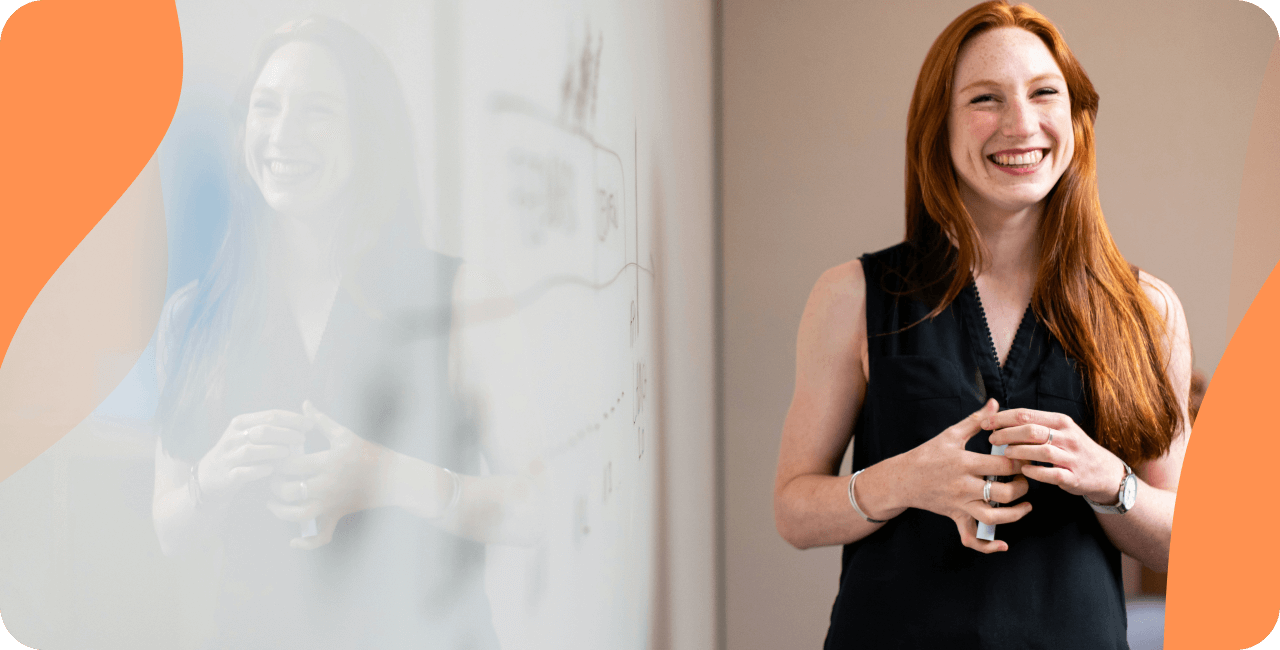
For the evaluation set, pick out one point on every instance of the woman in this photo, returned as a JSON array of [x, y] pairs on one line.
[[309, 424], [1008, 293]]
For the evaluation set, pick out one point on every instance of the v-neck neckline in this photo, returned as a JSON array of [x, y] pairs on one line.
[[325, 325], [1005, 373]]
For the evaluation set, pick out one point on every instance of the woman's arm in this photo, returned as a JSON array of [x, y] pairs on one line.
[[811, 503]]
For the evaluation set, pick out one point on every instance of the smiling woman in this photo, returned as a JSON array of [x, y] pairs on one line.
[[1007, 293], [297, 135], [309, 427], [1010, 121]]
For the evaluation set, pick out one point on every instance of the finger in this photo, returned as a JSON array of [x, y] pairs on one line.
[[289, 491], [332, 430], [279, 417], [270, 434], [1011, 491], [1039, 453], [255, 454], [1059, 476], [298, 512], [996, 516], [306, 465], [249, 473], [292, 490], [1026, 434], [971, 425], [1018, 417], [324, 535], [968, 528], [988, 465]]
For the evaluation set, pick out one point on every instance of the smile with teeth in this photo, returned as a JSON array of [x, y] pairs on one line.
[[290, 168], [1028, 159]]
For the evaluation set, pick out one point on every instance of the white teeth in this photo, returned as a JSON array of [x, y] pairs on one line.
[[290, 168], [1023, 159]]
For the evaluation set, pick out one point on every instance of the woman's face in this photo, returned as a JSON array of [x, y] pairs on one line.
[[297, 144], [1009, 122]]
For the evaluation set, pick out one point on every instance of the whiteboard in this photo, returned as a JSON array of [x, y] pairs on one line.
[[550, 145]]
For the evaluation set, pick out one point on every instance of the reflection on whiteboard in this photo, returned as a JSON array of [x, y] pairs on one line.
[[530, 125]]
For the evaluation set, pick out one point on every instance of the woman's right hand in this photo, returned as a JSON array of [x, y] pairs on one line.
[[948, 480], [247, 452]]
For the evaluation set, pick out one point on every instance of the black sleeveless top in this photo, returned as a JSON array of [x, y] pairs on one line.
[[912, 584]]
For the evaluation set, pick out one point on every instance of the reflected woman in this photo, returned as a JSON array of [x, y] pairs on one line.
[[309, 425], [1008, 293]]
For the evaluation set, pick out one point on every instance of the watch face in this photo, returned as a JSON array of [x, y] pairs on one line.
[[1130, 492]]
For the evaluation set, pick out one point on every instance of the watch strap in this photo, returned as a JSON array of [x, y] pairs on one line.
[[1118, 508]]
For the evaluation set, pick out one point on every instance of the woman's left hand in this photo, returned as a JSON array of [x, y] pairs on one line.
[[328, 485], [1080, 465]]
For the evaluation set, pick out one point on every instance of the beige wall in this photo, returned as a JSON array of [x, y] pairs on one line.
[[815, 99]]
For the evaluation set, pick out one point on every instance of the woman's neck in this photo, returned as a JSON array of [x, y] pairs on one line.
[[1011, 242], [307, 245]]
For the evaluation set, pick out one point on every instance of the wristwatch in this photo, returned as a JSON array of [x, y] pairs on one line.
[[1127, 495]]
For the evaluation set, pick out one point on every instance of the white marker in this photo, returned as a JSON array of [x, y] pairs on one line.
[[987, 532]]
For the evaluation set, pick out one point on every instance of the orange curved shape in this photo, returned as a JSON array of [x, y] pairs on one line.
[[1223, 565], [89, 90]]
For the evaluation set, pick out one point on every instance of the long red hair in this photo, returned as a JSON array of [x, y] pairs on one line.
[[1085, 291]]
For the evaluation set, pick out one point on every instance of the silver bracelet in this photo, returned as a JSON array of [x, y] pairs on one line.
[[853, 502], [455, 494]]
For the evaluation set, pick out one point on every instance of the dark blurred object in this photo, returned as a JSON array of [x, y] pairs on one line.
[[1154, 582]]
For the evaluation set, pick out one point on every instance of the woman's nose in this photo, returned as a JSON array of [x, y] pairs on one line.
[[288, 127], [1019, 119]]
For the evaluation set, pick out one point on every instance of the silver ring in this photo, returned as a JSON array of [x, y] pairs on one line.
[[986, 491], [302, 485], [1050, 440]]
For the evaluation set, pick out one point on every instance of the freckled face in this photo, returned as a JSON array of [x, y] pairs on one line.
[[1010, 121], [298, 145]]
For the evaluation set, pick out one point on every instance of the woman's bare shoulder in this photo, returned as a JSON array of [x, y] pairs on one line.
[[834, 319], [1161, 295], [841, 289]]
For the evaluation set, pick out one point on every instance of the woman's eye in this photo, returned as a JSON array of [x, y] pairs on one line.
[[982, 98], [1046, 91]]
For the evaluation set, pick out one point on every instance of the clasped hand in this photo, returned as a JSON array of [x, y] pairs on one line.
[[1079, 464], [324, 486], [950, 481], [331, 484]]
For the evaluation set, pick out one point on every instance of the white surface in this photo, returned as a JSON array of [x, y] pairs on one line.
[[7, 7], [1272, 7], [7, 642]]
